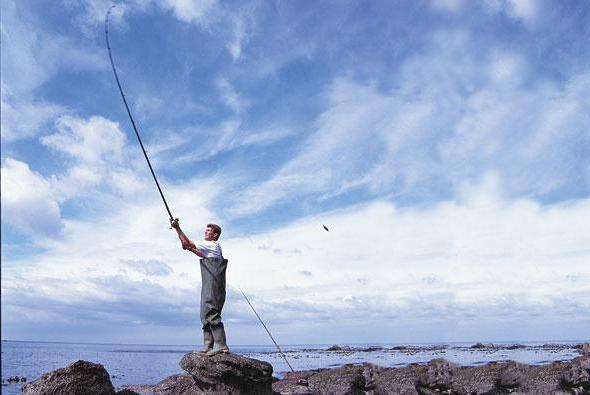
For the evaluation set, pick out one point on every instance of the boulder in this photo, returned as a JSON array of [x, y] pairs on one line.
[[480, 346], [339, 348], [529, 379], [577, 375], [228, 374], [348, 379], [81, 377], [295, 383], [396, 380], [181, 384], [439, 377], [136, 389], [476, 379]]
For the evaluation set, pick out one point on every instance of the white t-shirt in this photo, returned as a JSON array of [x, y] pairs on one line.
[[209, 248]]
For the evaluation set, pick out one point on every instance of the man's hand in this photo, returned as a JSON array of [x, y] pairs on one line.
[[174, 223]]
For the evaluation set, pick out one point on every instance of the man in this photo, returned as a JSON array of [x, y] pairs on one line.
[[213, 267]]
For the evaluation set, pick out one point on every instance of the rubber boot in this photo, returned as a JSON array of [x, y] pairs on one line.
[[219, 337], [207, 341]]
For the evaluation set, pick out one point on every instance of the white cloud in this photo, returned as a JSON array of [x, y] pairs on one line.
[[25, 119], [191, 10], [30, 57], [461, 259], [98, 156], [230, 97], [480, 251], [94, 141], [526, 10], [452, 117], [28, 202], [529, 12]]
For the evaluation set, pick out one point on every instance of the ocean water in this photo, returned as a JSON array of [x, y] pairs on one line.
[[149, 364]]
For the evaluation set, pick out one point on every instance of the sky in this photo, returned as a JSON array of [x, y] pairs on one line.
[[445, 144]]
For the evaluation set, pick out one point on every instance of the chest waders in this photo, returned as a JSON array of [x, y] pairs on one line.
[[212, 301]]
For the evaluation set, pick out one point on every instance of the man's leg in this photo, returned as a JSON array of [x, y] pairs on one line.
[[207, 340], [212, 301], [220, 345]]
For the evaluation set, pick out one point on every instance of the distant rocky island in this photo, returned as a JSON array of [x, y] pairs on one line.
[[235, 374]]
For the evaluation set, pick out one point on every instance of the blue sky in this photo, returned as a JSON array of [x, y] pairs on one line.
[[445, 144]]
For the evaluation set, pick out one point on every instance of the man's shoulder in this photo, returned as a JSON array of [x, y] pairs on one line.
[[209, 243]]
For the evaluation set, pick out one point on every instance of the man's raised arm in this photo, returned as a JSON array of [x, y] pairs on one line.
[[186, 243]]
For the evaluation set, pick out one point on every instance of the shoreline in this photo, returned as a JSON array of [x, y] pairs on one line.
[[553, 355]]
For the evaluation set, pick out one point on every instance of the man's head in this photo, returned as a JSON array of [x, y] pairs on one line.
[[212, 232]]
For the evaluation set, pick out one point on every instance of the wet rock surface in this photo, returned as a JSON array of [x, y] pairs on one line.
[[442, 377], [81, 377], [228, 373]]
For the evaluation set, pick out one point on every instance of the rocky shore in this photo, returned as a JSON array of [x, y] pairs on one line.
[[235, 374]]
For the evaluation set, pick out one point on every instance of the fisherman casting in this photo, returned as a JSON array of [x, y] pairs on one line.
[[213, 267]]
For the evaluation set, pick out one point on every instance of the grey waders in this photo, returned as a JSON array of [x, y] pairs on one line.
[[212, 301], [207, 341]]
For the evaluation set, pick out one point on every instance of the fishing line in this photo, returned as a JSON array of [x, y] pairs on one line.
[[267, 331]]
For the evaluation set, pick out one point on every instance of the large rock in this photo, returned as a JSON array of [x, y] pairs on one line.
[[577, 375], [477, 379], [295, 383], [228, 374], [180, 384], [81, 377], [439, 377], [397, 380], [530, 379], [348, 379]]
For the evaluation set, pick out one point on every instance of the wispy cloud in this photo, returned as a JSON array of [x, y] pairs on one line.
[[435, 130]]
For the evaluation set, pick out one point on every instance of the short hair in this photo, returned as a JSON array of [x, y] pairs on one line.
[[216, 228]]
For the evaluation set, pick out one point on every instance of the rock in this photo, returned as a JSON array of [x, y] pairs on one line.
[[181, 384], [295, 383], [577, 375], [371, 349], [530, 379], [476, 380], [139, 389], [482, 345], [81, 377], [400, 348], [515, 346], [339, 348], [397, 380], [512, 376], [438, 377], [228, 373], [348, 379], [585, 349]]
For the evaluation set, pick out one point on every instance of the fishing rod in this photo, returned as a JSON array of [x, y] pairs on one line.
[[106, 31]]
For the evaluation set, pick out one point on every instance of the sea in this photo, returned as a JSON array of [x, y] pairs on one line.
[[149, 364]]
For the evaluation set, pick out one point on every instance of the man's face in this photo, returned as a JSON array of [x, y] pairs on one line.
[[210, 234]]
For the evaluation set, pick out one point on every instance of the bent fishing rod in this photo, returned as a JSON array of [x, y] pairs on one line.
[[106, 32]]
